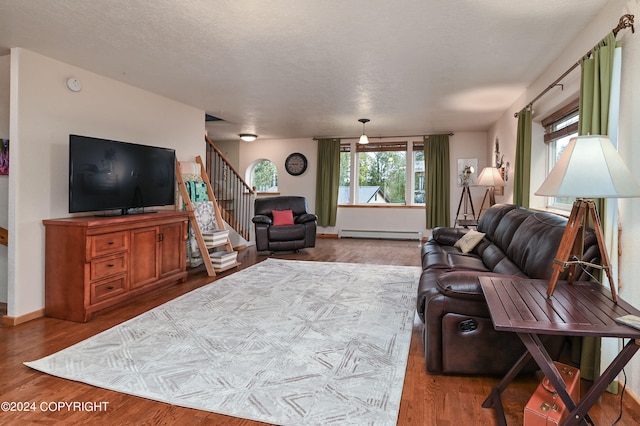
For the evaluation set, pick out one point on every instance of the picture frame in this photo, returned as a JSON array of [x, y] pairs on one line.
[[470, 179], [4, 157]]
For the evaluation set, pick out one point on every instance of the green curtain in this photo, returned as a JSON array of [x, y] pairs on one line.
[[595, 88], [437, 180], [522, 172], [595, 93], [327, 181]]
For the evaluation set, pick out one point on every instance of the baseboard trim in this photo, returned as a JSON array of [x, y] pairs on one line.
[[332, 236], [8, 321]]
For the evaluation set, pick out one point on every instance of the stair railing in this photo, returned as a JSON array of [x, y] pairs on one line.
[[235, 197]]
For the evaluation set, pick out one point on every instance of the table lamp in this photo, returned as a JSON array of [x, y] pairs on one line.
[[590, 167], [489, 177]]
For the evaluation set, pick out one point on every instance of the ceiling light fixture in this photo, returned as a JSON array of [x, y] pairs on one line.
[[248, 137], [363, 139]]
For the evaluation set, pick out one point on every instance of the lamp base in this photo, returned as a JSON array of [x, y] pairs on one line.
[[572, 244], [491, 194]]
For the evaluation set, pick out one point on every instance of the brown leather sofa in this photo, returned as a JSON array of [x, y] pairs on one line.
[[458, 334], [300, 234]]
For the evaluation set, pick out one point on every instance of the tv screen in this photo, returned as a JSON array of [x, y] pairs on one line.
[[108, 175]]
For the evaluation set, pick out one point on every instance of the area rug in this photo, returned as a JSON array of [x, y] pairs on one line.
[[284, 342]]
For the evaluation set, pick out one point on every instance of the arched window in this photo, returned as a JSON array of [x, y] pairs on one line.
[[264, 176]]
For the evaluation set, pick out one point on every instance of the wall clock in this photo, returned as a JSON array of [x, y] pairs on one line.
[[295, 164]]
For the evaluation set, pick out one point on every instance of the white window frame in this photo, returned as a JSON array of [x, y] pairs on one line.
[[561, 124], [354, 183]]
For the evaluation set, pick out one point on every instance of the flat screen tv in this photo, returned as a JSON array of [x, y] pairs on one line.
[[111, 176]]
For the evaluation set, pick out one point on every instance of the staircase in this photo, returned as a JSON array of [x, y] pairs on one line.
[[234, 196]]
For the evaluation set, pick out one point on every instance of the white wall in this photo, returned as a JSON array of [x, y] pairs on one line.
[[43, 114], [277, 150], [231, 151], [5, 64], [462, 145], [628, 140]]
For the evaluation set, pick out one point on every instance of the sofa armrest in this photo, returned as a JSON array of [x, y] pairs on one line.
[[306, 217], [262, 219], [448, 236], [464, 284]]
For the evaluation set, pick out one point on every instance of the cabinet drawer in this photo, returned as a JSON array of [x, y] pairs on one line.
[[109, 243], [103, 290], [108, 266]]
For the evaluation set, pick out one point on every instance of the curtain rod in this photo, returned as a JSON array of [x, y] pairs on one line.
[[379, 137], [626, 21]]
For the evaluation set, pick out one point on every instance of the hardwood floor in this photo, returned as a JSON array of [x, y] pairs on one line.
[[426, 399]]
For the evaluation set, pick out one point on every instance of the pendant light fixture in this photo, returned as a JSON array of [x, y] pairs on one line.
[[363, 139]]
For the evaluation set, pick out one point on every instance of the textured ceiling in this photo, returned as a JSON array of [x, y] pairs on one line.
[[306, 68]]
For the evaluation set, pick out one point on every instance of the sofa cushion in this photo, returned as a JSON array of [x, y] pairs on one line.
[[447, 236], [286, 232], [461, 262], [267, 204], [448, 257], [492, 218], [535, 243], [503, 234], [469, 240]]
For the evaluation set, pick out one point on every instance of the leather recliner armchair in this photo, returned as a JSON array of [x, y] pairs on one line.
[[293, 236]]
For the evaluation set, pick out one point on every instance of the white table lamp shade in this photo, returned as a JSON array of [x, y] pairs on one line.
[[590, 167], [490, 176]]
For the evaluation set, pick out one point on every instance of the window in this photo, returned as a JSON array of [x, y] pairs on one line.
[[264, 176], [380, 173], [560, 127], [419, 194], [344, 192]]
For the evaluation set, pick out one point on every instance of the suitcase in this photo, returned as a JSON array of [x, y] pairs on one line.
[[545, 406]]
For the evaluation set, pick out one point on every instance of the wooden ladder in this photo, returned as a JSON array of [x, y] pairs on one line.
[[202, 245]]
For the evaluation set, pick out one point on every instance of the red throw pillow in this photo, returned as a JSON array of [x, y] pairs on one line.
[[282, 217]]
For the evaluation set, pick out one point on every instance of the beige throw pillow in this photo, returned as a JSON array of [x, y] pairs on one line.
[[469, 241]]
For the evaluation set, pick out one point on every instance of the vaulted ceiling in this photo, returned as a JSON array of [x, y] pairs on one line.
[[306, 68]]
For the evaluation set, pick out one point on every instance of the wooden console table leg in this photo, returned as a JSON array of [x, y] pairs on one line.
[[601, 384], [494, 400]]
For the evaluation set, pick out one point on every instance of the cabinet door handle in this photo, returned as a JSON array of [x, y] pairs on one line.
[[160, 237]]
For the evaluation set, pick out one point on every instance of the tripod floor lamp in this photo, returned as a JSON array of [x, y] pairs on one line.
[[489, 177], [590, 167]]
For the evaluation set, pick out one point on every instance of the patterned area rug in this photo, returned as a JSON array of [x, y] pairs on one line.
[[284, 342]]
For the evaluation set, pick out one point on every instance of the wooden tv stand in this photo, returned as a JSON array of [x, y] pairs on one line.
[[94, 263]]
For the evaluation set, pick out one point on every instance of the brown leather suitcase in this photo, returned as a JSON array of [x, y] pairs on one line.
[[545, 406]]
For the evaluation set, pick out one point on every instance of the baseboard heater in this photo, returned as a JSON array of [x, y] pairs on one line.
[[381, 235]]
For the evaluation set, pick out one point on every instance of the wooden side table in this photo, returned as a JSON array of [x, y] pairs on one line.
[[575, 309]]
